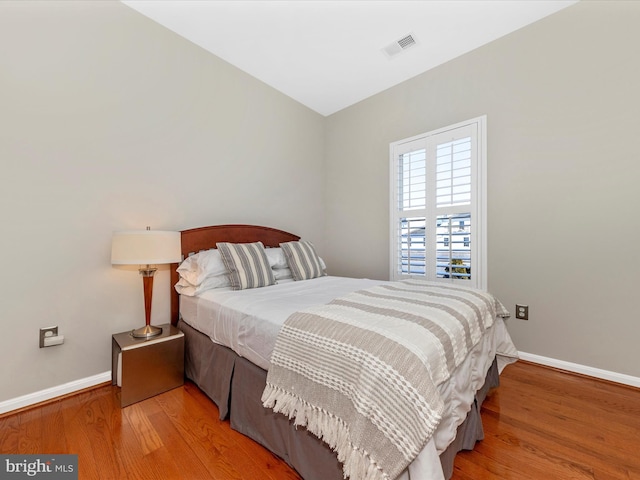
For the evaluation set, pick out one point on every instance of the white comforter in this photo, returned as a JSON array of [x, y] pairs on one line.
[[248, 321]]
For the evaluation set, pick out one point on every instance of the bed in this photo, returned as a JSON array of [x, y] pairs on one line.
[[228, 345]]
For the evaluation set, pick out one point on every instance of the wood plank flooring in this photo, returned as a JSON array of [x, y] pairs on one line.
[[540, 424], [547, 424]]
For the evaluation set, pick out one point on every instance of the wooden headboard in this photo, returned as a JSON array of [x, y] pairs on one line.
[[205, 238]]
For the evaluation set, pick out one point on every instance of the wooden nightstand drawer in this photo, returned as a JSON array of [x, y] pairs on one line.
[[146, 367]]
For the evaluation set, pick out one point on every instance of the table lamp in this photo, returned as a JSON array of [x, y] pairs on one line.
[[146, 248]]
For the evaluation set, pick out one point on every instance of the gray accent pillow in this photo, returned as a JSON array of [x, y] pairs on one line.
[[302, 260], [247, 265]]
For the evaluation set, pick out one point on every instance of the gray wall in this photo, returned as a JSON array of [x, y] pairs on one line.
[[562, 101], [108, 122]]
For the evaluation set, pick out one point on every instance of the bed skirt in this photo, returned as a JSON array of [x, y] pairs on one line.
[[235, 385]]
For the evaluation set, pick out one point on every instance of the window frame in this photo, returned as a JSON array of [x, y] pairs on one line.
[[478, 206]]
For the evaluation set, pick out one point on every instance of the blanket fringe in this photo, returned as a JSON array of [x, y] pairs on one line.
[[356, 464]]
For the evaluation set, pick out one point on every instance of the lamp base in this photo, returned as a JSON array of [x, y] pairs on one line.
[[148, 331]]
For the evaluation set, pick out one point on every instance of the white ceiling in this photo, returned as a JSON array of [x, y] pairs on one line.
[[328, 54]]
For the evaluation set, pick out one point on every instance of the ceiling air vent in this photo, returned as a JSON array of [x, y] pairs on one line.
[[399, 45]]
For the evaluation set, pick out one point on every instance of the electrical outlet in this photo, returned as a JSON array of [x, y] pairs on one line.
[[47, 332], [522, 312]]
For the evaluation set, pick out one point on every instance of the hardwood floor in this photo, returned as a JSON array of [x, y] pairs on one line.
[[175, 435], [546, 424], [540, 424]]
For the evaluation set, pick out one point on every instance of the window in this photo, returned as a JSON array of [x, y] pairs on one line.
[[438, 205]]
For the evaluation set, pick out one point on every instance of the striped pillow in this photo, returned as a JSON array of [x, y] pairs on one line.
[[303, 260], [247, 265]]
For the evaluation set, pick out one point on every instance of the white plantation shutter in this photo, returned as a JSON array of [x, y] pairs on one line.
[[437, 220], [411, 178], [453, 173], [411, 185]]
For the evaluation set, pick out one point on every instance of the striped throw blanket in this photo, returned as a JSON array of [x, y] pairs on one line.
[[362, 372]]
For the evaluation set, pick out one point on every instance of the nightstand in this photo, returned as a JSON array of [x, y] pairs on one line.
[[146, 367]]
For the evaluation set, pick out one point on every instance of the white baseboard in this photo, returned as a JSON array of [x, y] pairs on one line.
[[582, 369], [53, 392]]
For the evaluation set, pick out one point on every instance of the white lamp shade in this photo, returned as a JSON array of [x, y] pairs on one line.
[[145, 247]]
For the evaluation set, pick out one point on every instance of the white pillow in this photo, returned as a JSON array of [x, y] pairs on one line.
[[196, 268], [276, 257], [183, 287], [282, 273]]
